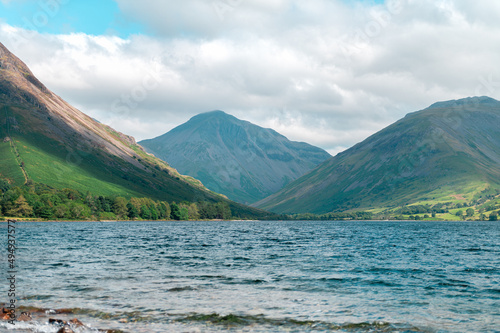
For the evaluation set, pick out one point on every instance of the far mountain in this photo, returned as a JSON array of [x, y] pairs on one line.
[[241, 160], [447, 152]]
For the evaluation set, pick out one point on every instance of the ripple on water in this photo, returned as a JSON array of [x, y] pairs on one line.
[[266, 276]]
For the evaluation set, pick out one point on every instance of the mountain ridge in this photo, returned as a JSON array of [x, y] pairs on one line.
[[234, 157], [428, 154]]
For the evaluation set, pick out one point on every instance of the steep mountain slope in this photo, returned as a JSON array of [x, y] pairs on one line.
[[234, 157], [449, 150], [44, 139]]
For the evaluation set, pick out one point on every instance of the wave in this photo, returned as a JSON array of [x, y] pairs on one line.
[[287, 324], [224, 322]]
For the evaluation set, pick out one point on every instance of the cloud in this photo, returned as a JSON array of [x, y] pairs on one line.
[[324, 72]]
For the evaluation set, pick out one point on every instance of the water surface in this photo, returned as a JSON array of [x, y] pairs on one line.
[[262, 276]]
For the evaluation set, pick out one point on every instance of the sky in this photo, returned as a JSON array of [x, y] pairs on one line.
[[327, 72]]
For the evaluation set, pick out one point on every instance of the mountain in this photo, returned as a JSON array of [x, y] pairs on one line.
[[44, 139], [446, 152], [234, 157]]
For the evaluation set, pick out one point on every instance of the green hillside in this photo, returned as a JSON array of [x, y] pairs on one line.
[[450, 150], [85, 168]]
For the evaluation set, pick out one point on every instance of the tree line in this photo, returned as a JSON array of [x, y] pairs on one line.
[[40, 201]]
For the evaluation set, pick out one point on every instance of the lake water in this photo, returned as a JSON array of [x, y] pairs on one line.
[[259, 276]]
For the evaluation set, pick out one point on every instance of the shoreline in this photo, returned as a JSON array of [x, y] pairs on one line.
[[118, 221], [141, 221]]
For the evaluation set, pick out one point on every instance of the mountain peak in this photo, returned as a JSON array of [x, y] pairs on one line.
[[16, 72], [216, 114], [469, 101], [11, 62], [235, 157]]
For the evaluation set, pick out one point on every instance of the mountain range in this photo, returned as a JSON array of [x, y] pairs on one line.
[[449, 151], [241, 160], [44, 139]]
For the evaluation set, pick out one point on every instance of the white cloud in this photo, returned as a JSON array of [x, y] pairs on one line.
[[319, 71]]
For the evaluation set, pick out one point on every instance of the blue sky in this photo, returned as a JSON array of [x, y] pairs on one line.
[[93, 17]]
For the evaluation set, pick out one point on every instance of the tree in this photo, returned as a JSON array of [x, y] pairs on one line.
[[175, 213], [470, 212], [223, 211], [164, 210], [120, 207], [494, 216], [20, 208], [145, 212], [184, 213], [61, 211], [44, 211], [459, 214], [153, 212], [135, 202], [79, 211], [71, 194], [207, 210], [193, 211], [132, 211], [90, 202], [105, 204]]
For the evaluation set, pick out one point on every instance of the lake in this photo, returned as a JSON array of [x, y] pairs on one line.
[[258, 276]]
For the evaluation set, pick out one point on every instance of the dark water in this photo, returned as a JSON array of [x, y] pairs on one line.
[[261, 276]]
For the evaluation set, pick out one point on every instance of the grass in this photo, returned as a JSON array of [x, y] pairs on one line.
[[59, 172], [9, 167], [449, 217]]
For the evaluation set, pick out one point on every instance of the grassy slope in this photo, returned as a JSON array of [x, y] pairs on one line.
[[60, 172], [9, 167], [399, 191], [418, 159], [82, 167]]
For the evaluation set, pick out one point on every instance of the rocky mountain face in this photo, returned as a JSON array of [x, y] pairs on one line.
[[46, 140], [449, 150], [234, 157]]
